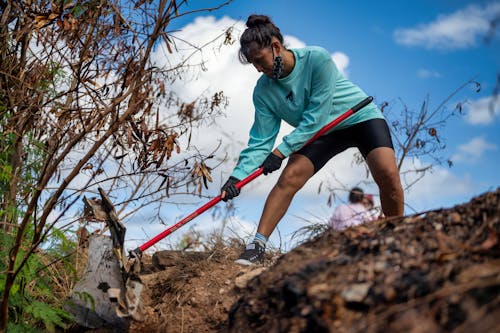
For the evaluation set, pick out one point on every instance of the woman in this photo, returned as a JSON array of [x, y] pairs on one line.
[[357, 211], [304, 88]]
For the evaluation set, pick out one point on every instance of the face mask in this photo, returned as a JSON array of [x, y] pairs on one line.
[[277, 66]]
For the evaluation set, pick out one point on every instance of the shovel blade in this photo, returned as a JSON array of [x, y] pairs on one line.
[[89, 303], [130, 303]]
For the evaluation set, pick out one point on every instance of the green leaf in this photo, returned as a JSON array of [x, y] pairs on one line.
[[50, 317]]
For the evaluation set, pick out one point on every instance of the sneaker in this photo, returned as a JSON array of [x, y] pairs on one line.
[[253, 255]]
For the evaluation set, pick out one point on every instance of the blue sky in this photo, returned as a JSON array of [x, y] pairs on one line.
[[396, 51]]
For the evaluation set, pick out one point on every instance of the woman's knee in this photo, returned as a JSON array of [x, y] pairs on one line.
[[290, 179], [388, 178], [382, 164], [295, 175]]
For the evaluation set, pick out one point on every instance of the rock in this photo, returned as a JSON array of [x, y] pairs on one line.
[[242, 280], [167, 258], [455, 217], [356, 292]]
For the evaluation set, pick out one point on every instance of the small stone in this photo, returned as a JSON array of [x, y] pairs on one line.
[[455, 217], [356, 292], [379, 266], [242, 280], [389, 294], [320, 291], [306, 310]]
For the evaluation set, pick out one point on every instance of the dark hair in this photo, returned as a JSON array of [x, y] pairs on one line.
[[258, 34], [356, 195]]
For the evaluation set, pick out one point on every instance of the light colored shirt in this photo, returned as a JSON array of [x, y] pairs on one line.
[[311, 96], [349, 215]]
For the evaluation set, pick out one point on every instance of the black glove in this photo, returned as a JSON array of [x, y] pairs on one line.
[[230, 188], [271, 163]]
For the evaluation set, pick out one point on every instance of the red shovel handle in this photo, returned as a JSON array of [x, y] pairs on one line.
[[245, 181]]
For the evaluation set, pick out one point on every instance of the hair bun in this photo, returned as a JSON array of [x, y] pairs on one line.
[[257, 20]]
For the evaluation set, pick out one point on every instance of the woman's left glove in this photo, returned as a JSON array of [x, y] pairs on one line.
[[229, 189], [271, 163]]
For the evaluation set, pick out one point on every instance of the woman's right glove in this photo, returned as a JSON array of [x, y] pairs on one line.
[[271, 163], [230, 189]]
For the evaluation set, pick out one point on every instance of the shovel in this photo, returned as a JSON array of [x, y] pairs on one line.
[[109, 291], [138, 251], [108, 294]]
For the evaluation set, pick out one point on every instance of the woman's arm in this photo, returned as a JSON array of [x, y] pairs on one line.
[[261, 140]]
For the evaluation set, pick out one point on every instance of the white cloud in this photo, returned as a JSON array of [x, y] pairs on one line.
[[340, 58], [292, 42], [473, 150], [482, 111], [342, 61], [224, 72], [438, 188], [428, 74], [458, 30]]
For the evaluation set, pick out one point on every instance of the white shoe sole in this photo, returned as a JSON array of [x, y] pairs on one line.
[[244, 262]]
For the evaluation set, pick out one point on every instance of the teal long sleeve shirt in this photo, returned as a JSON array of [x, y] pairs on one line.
[[311, 96]]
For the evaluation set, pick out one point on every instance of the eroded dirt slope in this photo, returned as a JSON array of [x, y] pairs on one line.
[[434, 272], [193, 291]]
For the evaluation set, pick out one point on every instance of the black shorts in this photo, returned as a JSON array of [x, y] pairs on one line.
[[366, 136]]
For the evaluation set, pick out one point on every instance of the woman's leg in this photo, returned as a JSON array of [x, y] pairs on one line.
[[382, 164], [296, 173]]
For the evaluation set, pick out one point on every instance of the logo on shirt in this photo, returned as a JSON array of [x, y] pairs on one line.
[[289, 97]]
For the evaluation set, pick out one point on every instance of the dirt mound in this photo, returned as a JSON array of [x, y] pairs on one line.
[[193, 291], [438, 271]]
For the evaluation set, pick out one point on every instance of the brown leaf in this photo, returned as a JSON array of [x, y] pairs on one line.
[[89, 166], [199, 189], [44, 19], [66, 24], [206, 171], [144, 128], [129, 137], [205, 182], [153, 145], [41, 21], [99, 171]]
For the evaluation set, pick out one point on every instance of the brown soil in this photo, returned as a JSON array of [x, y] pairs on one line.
[[437, 271]]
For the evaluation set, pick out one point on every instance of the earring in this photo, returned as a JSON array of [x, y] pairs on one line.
[[277, 66]]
